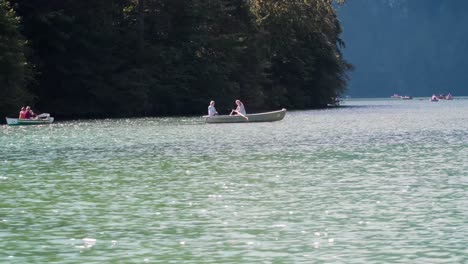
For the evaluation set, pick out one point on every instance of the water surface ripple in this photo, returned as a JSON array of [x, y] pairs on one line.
[[376, 181]]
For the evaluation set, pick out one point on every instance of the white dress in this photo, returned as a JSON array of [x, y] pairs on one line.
[[241, 109], [212, 111]]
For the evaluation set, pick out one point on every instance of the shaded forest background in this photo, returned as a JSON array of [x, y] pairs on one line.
[[122, 58]]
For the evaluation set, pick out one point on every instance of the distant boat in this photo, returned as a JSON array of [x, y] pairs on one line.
[[434, 98], [449, 97], [336, 102], [259, 117], [42, 119], [441, 96], [406, 97]]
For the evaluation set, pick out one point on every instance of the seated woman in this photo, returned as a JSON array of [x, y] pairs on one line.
[[29, 113], [240, 110], [211, 109], [22, 113]]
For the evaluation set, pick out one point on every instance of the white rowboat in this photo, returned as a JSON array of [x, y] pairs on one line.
[[25, 122], [259, 117]]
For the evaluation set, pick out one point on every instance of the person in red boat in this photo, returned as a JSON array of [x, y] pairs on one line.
[[29, 113], [22, 113]]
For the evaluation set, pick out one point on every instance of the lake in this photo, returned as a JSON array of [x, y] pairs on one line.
[[374, 181]]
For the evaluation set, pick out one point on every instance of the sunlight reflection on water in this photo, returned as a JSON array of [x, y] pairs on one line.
[[375, 181]]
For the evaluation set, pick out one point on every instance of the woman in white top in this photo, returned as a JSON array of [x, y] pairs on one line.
[[240, 110], [211, 109]]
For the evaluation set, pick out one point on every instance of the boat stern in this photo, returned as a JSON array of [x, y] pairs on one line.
[[11, 121]]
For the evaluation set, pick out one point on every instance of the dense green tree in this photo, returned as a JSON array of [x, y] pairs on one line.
[[164, 57], [198, 51], [80, 58], [306, 66], [14, 70]]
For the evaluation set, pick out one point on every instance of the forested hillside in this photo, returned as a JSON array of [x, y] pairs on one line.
[[112, 58], [13, 66], [413, 47]]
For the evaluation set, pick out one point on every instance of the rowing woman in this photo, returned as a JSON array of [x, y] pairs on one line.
[[240, 110]]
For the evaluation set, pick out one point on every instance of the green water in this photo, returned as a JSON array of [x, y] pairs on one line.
[[377, 181]]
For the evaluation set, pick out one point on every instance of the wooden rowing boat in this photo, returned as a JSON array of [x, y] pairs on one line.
[[25, 122], [259, 117]]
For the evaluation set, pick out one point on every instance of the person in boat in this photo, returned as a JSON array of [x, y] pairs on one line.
[[29, 113], [211, 109], [240, 110], [22, 113]]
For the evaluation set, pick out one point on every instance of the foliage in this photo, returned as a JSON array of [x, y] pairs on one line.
[[306, 64], [165, 57], [14, 70]]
